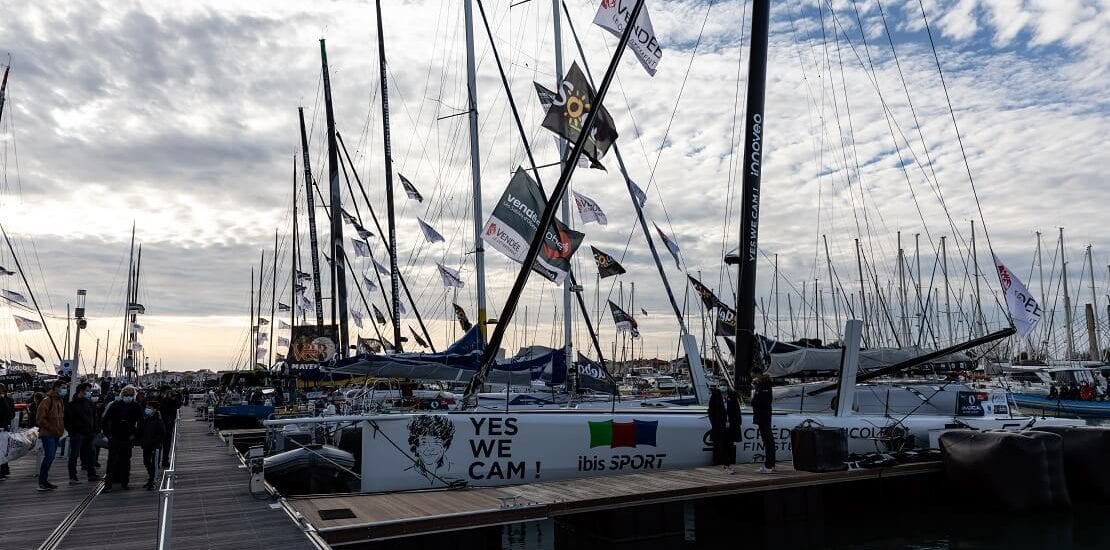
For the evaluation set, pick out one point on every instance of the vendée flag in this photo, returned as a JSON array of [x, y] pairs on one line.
[[1024, 309]]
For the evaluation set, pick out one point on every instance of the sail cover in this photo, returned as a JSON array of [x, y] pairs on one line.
[[791, 360]]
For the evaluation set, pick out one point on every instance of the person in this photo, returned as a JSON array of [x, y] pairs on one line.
[[33, 409], [168, 405], [761, 414], [152, 432], [121, 425], [718, 427], [50, 419], [735, 431], [7, 416], [80, 421], [1086, 392]]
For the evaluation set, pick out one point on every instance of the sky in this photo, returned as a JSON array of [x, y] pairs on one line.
[[180, 119]]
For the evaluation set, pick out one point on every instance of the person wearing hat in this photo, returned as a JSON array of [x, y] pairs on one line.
[[7, 415]]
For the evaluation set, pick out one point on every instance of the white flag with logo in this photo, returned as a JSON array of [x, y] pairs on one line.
[[612, 15], [1024, 309], [672, 246], [588, 209], [23, 323]]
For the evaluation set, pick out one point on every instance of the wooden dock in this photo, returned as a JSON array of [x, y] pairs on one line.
[[359, 519]]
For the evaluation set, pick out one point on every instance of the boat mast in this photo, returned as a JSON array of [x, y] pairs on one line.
[[253, 346], [1067, 298], [294, 280], [124, 351], [749, 206], [832, 285], [134, 299], [338, 255], [1040, 269], [391, 218], [1093, 324], [862, 293], [947, 291], [475, 164], [978, 297], [312, 242], [4, 87], [568, 312], [273, 300]]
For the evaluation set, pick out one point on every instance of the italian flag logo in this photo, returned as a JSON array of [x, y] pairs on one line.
[[623, 434]]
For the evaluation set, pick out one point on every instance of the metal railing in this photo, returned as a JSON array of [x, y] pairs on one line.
[[165, 495]]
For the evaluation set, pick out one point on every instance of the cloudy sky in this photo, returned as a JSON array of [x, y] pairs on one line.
[[180, 118]]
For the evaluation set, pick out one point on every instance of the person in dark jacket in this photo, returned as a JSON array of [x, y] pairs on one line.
[[152, 432], [7, 415], [121, 425], [168, 404], [761, 414], [735, 428], [81, 421], [718, 427]]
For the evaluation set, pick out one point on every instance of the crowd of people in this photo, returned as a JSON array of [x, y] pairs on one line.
[[118, 419]]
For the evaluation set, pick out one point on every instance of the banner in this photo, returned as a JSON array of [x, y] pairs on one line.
[[613, 15], [460, 314], [313, 344], [572, 102], [547, 97], [726, 321], [594, 376], [430, 232], [624, 321], [450, 277], [1024, 309], [514, 221], [410, 189], [589, 210], [707, 297], [23, 323], [607, 266]]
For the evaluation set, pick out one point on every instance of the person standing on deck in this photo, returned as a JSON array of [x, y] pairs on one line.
[[718, 427], [50, 419], [735, 432], [7, 416], [168, 405], [761, 414], [152, 432], [81, 424], [121, 425]]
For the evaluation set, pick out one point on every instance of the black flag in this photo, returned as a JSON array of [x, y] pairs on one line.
[[594, 376], [644, 311], [378, 315], [460, 314], [410, 189], [707, 297], [726, 321], [419, 340], [624, 321], [34, 354], [607, 266], [568, 112]]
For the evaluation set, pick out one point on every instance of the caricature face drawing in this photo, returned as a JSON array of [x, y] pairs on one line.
[[430, 437], [431, 449]]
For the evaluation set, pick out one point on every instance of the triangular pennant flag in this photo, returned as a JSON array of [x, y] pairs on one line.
[[263, 321], [362, 250], [302, 276], [624, 321], [137, 328], [430, 233], [637, 193], [419, 340], [370, 285], [136, 308], [588, 210], [401, 308], [707, 297], [347, 217], [13, 296], [23, 323], [381, 268], [410, 189], [1024, 309], [4, 272], [282, 341], [368, 345], [34, 354], [356, 314], [607, 266], [363, 233], [460, 314], [449, 276], [283, 307], [378, 315], [671, 245], [282, 325], [644, 311]]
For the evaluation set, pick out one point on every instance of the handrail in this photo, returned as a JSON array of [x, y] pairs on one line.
[[165, 494]]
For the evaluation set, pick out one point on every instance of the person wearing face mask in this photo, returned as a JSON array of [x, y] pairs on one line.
[[81, 424], [50, 418], [168, 404], [7, 415], [151, 435], [121, 425]]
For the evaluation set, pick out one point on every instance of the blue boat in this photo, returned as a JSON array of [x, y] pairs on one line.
[[241, 416], [1085, 409]]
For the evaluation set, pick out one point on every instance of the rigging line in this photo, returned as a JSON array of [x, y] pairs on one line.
[[730, 192]]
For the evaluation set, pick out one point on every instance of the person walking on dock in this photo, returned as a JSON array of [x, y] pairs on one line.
[[81, 423], [761, 414], [7, 416], [50, 419], [168, 404], [121, 425], [152, 432]]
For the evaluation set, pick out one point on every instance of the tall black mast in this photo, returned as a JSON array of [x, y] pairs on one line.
[[394, 290], [313, 244], [749, 213], [4, 87], [293, 258], [338, 256]]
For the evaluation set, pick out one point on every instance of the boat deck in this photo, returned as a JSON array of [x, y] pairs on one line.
[[213, 508], [347, 519]]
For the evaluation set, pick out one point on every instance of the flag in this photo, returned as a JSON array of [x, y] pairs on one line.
[[637, 193], [370, 285], [134, 307], [23, 323], [401, 308], [707, 297], [282, 325], [547, 97], [303, 303], [594, 376], [450, 276], [259, 353], [419, 340], [299, 288], [644, 311], [282, 341], [283, 307], [1024, 310], [4, 272], [607, 266], [327, 258], [568, 113], [362, 250], [410, 189], [363, 233], [671, 245], [262, 338], [381, 268], [302, 276], [347, 217], [368, 345], [588, 210], [34, 354], [726, 321], [378, 315], [263, 321], [624, 321], [278, 357], [612, 15], [430, 233], [136, 347], [460, 314], [514, 222], [137, 328], [357, 315], [13, 296]]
